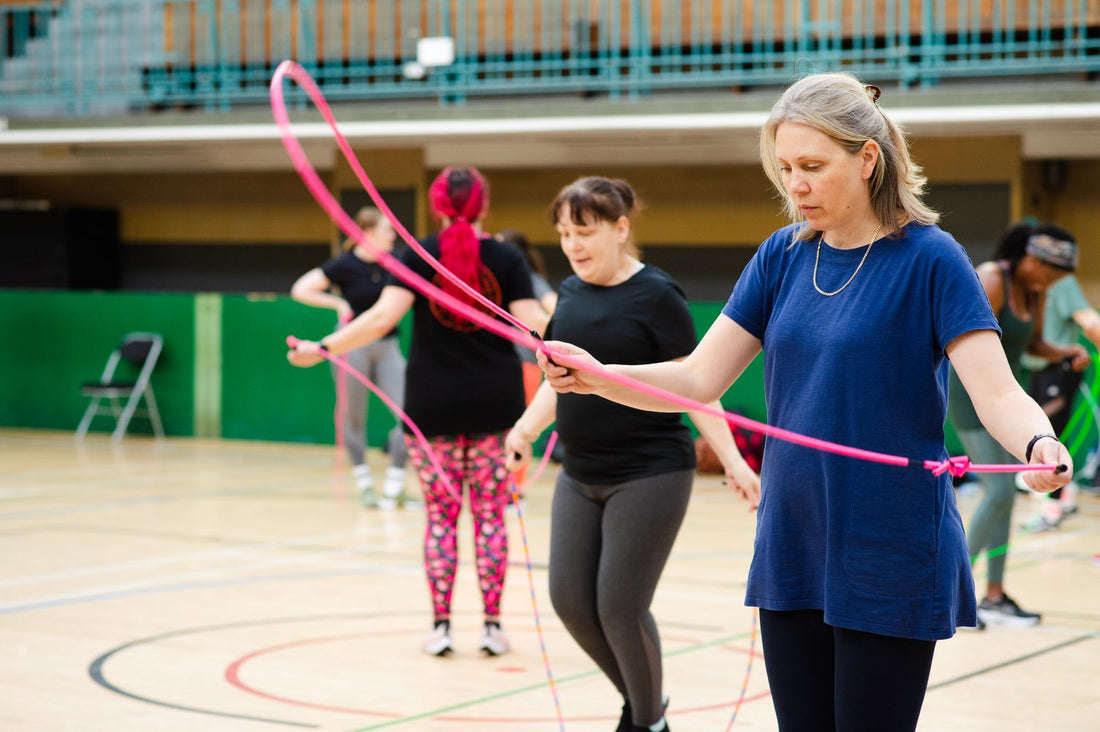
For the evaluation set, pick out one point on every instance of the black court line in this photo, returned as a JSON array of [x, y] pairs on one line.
[[95, 670], [1014, 661]]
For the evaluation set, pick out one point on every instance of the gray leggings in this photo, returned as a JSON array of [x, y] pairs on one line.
[[608, 547], [382, 363], [992, 521]]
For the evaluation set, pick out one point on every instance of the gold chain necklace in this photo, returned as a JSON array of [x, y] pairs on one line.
[[874, 237]]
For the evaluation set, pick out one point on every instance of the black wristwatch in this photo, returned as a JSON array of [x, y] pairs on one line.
[[1031, 444]]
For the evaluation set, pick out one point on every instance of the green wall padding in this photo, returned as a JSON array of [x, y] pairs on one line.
[[263, 396], [58, 340], [746, 396], [62, 339]]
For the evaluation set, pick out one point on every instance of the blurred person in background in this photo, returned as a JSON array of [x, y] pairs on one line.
[[360, 279]]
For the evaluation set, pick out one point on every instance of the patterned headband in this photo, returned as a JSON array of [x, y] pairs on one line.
[[1055, 252]]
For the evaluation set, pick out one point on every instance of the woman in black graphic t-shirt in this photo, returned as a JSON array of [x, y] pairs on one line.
[[463, 389]]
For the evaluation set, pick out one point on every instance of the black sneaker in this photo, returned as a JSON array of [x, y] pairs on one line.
[[626, 721], [640, 728], [1005, 611]]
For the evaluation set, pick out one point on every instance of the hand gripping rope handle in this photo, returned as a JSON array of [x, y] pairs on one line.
[[956, 466], [342, 364]]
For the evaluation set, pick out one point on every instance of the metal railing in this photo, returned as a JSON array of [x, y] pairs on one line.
[[91, 57]]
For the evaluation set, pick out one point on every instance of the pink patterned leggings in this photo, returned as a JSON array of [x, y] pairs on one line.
[[474, 464]]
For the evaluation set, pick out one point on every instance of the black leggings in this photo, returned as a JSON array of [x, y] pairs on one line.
[[608, 545], [826, 679]]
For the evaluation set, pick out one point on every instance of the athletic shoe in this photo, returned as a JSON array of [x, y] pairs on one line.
[[393, 489], [493, 640], [439, 642], [368, 497], [1039, 523], [626, 721], [1005, 611]]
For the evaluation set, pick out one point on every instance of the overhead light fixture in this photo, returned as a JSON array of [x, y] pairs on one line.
[[435, 51]]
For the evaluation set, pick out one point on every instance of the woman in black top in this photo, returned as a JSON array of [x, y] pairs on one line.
[[360, 279], [627, 474], [463, 389]]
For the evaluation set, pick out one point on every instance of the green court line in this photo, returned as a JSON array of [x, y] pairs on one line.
[[540, 685]]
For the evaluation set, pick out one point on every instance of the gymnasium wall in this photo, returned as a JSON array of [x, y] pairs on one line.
[[241, 238], [223, 372]]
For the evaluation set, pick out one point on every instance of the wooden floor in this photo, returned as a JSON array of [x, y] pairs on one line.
[[218, 585]]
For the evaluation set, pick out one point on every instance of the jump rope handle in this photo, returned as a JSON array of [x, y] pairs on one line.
[[535, 334]]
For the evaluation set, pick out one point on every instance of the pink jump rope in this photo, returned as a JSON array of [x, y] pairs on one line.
[[520, 333], [339, 413], [956, 466]]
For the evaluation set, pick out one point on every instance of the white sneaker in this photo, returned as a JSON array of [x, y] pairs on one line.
[[493, 640], [1040, 523], [393, 489], [363, 484], [439, 642]]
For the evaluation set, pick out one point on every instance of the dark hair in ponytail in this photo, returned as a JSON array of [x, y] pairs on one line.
[[595, 199], [461, 195]]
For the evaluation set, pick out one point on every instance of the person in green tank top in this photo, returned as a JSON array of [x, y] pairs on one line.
[[1026, 263]]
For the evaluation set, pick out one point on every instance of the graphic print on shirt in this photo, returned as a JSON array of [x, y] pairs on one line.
[[489, 286]]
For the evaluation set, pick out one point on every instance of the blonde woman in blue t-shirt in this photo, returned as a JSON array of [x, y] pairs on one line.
[[858, 567]]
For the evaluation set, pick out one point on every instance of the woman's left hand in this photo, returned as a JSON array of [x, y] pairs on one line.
[[1049, 451], [306, 353], [517, 448]]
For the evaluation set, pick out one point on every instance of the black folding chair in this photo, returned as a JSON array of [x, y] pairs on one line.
[[140, 351]]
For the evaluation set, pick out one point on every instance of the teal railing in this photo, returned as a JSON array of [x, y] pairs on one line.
[[91, 57]]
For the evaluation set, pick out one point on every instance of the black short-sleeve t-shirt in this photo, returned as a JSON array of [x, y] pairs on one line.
[[461, 378], [360, 282], [642, 320]]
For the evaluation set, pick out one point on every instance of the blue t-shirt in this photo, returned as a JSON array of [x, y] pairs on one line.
[[879, 548]]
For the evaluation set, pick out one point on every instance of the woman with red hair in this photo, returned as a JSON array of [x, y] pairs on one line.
[[463, 389]]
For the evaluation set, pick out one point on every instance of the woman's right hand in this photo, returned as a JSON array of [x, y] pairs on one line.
[[576, 380], [305, 354]]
